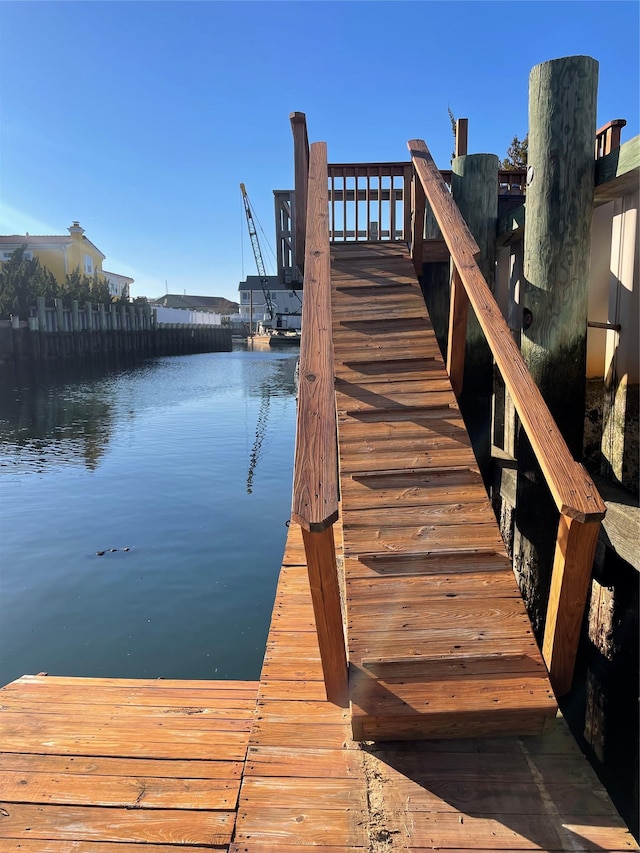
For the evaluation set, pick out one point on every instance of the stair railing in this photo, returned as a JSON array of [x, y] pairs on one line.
[[315, 480], [301, 177], [580, 505]]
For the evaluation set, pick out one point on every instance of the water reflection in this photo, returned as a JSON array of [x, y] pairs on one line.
[[51, 417], [279, 380]]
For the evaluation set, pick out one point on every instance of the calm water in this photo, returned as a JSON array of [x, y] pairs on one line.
[[186, 462]]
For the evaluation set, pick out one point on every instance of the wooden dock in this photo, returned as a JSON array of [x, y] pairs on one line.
[[100, 765], [308, 784], [120, 766]]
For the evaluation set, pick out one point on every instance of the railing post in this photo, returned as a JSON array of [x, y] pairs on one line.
[[457, 339], [315, 483], [573, 559], [462, 135], [418, 205], [301, 176], [320, 553]]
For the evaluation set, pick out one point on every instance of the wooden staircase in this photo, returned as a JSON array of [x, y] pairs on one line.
[[439, 643]]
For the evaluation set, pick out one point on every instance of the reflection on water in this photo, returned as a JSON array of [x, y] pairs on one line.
[[153, 459], [46, 419]]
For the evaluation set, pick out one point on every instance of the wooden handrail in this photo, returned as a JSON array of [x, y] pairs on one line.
[[315, 485], [315, 481], [301, 176], [573, 490], [580, 505]]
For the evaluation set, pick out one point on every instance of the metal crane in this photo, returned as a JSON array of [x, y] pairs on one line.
[[257, 254]]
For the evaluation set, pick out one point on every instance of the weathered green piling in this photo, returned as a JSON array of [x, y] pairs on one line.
[[474, 185], [557, 239], [557, 245]]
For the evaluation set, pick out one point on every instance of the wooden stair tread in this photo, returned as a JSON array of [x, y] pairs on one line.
[[438, 638]]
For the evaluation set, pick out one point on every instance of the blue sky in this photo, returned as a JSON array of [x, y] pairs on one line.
[[140, 119]]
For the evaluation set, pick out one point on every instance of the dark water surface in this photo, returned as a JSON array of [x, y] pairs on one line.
[[187, 462]]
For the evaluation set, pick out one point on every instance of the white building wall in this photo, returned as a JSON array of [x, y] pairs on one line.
[[189, 318]]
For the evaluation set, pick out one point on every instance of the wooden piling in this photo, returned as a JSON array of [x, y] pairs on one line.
[[562, 122], [557, 238], [474, 186]]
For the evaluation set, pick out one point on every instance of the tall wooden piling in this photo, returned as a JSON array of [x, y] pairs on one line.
[[474, 185], [557, 239], [562, 124]]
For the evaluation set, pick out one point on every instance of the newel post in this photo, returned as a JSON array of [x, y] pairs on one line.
[[315, 483], [301, 177]]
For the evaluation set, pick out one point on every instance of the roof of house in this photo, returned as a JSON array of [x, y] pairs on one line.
[[215, 304], [43, 240], [118, 275], [253, 282]]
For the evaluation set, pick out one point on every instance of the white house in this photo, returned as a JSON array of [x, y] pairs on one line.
[[286, 302]]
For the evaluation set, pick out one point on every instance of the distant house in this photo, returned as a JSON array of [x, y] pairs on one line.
[[119, 285], [286, 302], [63, 254], [215, 304]]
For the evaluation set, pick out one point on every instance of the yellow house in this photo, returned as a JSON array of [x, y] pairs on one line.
[[61, 255]]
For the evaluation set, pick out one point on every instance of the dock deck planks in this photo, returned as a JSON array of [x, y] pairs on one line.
[[305, 783], [439, 642], [107, 765], [308, 785]]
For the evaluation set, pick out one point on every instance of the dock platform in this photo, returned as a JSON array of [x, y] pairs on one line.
[[119, 766], [101, 765], [309, 785]]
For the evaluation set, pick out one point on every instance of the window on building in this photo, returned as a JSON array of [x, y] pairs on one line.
[[28, 255], [88, 265], [245, 297]]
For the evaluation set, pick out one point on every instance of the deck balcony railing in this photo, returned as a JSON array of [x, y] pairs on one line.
[[608, 137]]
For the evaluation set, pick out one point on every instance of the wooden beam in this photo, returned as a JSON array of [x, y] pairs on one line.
[[320, 552], [456, 344], [315, 485], [462, 136], [444, 208], [418, 203], [557, 235], [575, 551], [301, 173]]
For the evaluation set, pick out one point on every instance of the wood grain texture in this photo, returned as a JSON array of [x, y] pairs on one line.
[[301, 176], [458, 314], [307, 785], [325, 594], [557, 235], [570, 581], [88, 763], [315, 488]]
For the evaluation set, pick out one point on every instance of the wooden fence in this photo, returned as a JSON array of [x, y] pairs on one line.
[[65, 332]]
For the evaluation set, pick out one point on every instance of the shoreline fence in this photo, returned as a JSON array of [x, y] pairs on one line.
[[103, 331]]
